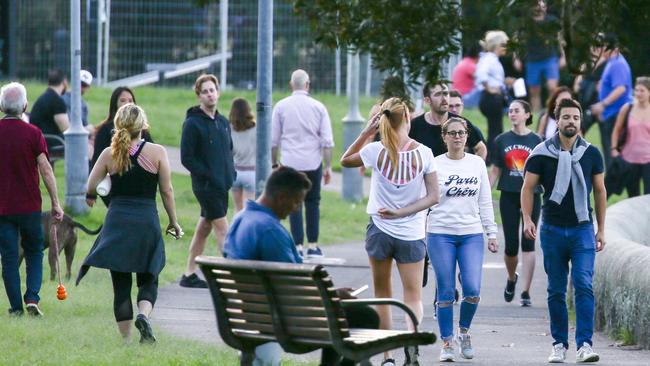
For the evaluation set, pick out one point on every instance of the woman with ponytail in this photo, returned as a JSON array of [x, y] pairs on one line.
[[131, 240], [403, 185]]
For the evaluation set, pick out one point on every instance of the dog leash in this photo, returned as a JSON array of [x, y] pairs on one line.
[[61, 293]]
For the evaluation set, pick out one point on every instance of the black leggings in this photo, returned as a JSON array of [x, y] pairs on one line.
[[639, 172], [510, 206], [491, 106], [147, 290]]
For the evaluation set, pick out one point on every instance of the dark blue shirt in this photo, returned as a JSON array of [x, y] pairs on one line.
[[564, 214], [256, 234]]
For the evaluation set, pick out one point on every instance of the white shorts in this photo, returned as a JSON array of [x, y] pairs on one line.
[[245, 180]]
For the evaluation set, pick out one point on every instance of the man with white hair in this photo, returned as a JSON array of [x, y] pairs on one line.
[[302, 133], [24, 156]]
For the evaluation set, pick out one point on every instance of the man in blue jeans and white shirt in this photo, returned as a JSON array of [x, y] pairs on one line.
[[568, 167]]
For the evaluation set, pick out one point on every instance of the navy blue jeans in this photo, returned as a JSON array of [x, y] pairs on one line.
[[312, 214], [31, 232], [444, 252], [577, 245]]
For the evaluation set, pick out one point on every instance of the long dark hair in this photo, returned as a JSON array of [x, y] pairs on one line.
[[552, 100], [112, 107], [241, 116]]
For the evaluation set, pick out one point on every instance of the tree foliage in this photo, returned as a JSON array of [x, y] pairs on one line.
[[414, 36]]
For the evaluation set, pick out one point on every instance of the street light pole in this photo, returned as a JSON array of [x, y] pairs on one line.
[[352, 124], [264, 93], [76, 137]]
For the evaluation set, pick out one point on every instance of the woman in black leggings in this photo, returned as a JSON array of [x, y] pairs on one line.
[[131, 239], [511, 149], [490, 78]]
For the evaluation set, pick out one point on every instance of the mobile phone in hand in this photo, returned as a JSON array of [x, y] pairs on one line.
[[359, 290]]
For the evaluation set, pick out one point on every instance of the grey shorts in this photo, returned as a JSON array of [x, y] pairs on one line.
[[245, 180], [380, 246]]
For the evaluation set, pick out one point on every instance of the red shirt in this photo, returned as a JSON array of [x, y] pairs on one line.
[[462, 77], [20, 145]]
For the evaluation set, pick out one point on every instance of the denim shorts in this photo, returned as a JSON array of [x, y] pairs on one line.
[[245, 180], [381, 246], [549, 67]]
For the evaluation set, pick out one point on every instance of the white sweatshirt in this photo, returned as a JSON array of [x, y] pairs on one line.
[[465, 205]]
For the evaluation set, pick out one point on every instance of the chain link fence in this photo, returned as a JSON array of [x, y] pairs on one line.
[[150, 35]]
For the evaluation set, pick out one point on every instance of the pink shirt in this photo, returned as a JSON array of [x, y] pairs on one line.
[[462, 77], [637, 146], [301, 128]]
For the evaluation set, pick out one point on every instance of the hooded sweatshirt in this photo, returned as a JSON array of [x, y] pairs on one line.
[[206, 150]]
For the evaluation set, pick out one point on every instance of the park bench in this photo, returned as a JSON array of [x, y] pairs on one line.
[[295, 305], [56, 147]]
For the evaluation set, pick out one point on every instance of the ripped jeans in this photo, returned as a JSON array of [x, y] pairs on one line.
[[445, 251]]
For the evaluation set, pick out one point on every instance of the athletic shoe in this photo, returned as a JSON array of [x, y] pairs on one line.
[[586, 354], [16, 312], [464, 341], [525, 299], [314, 253], [509, 292], [146, 333], [447, 352], [388, 362], [193, 281], [558, 354], [411, 354], [33, 310]]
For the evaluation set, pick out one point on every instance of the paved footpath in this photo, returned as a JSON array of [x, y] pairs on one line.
[[502, 334]]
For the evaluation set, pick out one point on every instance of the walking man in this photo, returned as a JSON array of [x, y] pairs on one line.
[[206, 151], [615, 91], [49, 113], [301, 132], [427, 128], [568, 167], [24, 156]]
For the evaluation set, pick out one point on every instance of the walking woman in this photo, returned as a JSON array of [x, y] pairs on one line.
[[455, 228], [402, 171], [547, 126], [104, 131], [490, 79], [131, 240], [511, 149], [633, 122], [244, 137]]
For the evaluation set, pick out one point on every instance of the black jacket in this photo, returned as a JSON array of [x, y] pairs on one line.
[[206, 150]]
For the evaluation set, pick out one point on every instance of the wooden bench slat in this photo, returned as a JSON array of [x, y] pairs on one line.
[[248, 306], [309, 332], [253, 317], [317, 322], [244, 287], [239, 278], [305, 310], [241, 324], [290, 280]]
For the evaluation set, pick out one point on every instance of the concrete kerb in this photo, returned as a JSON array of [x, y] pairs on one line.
[[622, 273]]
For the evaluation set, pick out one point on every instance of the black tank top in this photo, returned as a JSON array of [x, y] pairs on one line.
[[136, 182]]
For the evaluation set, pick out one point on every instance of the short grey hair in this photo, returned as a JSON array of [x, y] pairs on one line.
[[299, 79], [13, 99]]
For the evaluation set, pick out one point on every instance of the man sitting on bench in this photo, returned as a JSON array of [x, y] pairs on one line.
[[257, 234]]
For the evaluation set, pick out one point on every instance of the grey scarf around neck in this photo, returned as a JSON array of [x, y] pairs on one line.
[[568, 171]]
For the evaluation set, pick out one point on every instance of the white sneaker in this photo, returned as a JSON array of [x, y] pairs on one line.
[[558, 354], [465, 344], [586, 354], [447, 353]]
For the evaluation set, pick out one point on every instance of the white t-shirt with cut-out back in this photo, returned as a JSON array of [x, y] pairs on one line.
[[397, 189]]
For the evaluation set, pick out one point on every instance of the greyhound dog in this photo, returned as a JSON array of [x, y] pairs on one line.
[[66, 240]]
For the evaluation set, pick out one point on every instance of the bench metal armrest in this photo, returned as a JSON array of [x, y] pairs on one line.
[[384, 301]]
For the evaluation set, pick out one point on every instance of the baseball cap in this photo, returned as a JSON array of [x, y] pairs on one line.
[[86, 77]]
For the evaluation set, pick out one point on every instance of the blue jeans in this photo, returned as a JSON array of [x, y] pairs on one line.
[[444, 251], [577, 245], [312, 214], [31, 232]]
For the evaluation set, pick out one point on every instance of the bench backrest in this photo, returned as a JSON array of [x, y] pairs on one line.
[[258, 301]]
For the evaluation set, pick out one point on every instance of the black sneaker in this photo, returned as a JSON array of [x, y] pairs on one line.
[[146, 333], [509, 292], [16, 312], [525, 299], [33, 310], [411, 354], [193, 281]]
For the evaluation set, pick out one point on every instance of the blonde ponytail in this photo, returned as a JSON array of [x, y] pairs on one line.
[[393, 115], [130, 120]]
